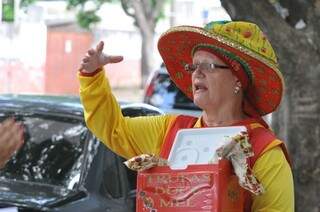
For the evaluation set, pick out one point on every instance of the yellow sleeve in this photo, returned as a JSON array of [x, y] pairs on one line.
[[125, 136], [274, 172]]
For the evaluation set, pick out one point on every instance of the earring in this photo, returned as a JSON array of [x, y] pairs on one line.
[[237, 87]]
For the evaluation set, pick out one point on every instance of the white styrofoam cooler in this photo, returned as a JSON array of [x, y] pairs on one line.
[[198, 145]]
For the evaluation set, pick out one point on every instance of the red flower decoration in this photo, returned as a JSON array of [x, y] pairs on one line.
[[247, 34]]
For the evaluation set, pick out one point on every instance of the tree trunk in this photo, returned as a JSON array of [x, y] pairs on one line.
[[297, 121], [147, 50], [146, 14]]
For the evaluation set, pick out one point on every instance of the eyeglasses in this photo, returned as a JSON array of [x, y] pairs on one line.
[[209, 67]]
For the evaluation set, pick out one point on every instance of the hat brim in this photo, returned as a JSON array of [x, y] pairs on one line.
[[176, 45]]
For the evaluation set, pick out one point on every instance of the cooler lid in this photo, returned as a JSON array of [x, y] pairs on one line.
[[198, 145]]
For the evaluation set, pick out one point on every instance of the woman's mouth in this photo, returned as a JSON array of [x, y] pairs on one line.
[[200, 88]]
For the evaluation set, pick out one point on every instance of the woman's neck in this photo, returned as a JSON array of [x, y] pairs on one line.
[[222, 117], [221, 122]]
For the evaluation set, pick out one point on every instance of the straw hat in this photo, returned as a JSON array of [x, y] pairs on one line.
[[242, 42]]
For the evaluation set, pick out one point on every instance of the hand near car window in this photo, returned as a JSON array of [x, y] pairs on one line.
[[11, 139], [95, 59]]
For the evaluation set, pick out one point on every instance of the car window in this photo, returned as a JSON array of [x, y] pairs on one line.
[[52, 151], [163, 93], [113, 171]]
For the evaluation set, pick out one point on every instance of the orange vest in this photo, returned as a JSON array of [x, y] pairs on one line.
[[259, 138]]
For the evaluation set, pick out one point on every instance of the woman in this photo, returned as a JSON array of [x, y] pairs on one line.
[[230, 71]]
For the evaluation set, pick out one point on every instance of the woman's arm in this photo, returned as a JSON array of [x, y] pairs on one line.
[[274, 172], [127, 137]]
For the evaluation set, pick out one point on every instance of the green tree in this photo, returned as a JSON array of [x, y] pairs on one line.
[[293, 28], [26, 3], [7, 11], [146, 14]]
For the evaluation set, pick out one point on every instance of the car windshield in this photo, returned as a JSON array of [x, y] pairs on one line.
[[165, 94], [52, 151]]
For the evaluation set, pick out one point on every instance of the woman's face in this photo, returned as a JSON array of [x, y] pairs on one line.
[[211, 88]]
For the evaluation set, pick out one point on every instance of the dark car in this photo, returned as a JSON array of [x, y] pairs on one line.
[[161, 92], [62, 166]]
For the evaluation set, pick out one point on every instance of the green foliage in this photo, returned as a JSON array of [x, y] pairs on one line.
[[26, 3], [100, 2], [160, 16], [7, 11], [75, 3], [127, 7], [87, 18]]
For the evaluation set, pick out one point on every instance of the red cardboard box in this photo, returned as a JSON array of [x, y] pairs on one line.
[[209, 188]]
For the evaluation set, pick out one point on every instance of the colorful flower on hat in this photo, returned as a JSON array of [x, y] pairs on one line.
[[247, 34]]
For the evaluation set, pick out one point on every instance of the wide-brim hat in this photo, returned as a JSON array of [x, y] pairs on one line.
[[243, 42]]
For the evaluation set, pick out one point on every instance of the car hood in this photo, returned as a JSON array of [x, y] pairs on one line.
[[36, 196]]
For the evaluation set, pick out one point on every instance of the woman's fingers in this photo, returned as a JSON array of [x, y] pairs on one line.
[[13, 136], [86, 67], [91, 52], [86, 59], [11, 139], [18, 135], [99, 47], [114, 59], [95, 59]]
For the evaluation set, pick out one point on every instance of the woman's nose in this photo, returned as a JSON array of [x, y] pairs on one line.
[[198, 73]]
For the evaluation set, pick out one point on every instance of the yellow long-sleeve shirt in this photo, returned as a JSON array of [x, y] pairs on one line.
[[130, 137]]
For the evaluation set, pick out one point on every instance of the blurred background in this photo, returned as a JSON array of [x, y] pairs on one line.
[[43, 42]]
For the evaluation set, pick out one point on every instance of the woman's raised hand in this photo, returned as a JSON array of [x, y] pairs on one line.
[[11, 139], [95, 59]]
